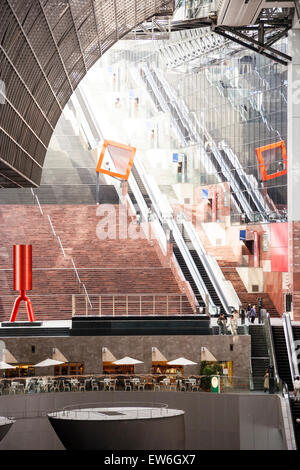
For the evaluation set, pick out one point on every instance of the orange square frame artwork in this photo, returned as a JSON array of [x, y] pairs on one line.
[[124, 157], [262, 164]]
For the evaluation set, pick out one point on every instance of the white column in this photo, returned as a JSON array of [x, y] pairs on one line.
[[293, 162], [293, 150]]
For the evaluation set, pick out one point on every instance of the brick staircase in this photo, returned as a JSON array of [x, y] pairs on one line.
[[118, 266], [231, 274]]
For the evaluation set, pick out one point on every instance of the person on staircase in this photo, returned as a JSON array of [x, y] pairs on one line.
[[234, 323], [222, 324], [297, 388], [253, 314], [242, 316], [248, 313], [266, 381]]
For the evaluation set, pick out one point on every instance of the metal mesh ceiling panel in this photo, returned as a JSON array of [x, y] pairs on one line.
[[46, 48]]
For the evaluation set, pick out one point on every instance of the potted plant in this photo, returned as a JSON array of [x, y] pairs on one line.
[[208, 369]]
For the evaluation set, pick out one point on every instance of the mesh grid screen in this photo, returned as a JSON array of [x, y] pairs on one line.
[[46, 48]]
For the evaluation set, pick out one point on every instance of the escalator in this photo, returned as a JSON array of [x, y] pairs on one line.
[[141, 186], [239, 102], [203, 273], [142, 189], [187, 274], [243, 194], [204, 278], [243, 183], [281, 354], [284, 372], [178, 255], [260, 360], [296, 336], [165, 103], [295, 406], [181, 258]]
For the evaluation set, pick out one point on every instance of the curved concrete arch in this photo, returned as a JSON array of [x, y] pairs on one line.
[[46, 48]]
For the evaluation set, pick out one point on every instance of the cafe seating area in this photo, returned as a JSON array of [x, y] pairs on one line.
[[111, 383]]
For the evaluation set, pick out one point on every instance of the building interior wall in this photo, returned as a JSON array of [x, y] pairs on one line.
[[212, 421]]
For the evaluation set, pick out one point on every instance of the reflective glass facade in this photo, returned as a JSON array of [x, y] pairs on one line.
[[199, 118]]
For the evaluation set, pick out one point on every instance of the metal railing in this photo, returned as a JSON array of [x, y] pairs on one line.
[[289, 339], [212, 271], [58, 239], [92, 411], [270, 342], [152, 382], [131, 304], [201, 286], [288, 420]]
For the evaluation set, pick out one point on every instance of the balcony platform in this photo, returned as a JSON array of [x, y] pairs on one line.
[[141, 325], [153, 325]]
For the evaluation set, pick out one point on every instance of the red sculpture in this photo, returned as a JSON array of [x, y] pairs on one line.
[[22, 279]]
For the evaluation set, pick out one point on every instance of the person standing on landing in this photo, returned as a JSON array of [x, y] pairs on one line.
[[297, 388], [253, 314], [266, 381], [248, 312]]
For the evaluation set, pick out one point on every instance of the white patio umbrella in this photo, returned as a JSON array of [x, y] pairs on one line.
[[127, 361], [181, 361], [3, 365], [48, 363]]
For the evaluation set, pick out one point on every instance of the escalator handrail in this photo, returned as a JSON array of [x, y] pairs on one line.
[[160, 98], [177, 236], [291, 423], [288, 333], [246, 182], [190, 264], [160, 233], [230, 178], [197, 244], [270, 341], [183, 110]]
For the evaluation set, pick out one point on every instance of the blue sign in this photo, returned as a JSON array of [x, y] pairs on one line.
[[175, 157], [242, 234], [204, 193]]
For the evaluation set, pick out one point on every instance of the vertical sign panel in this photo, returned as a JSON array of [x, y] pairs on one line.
[[214, 206], [256, 250]]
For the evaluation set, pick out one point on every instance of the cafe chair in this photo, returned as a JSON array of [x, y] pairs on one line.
[[13, 389], [127, 384], [173, 385], [141, 385], [82, 386], [106, 384], [42, 385], [74, 385], [30, 386], [66, 386], [156, 385], [112, 384], [135, 384], [194, 385], [166, 384], [53, 386], [95, 386], [181, 385]]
